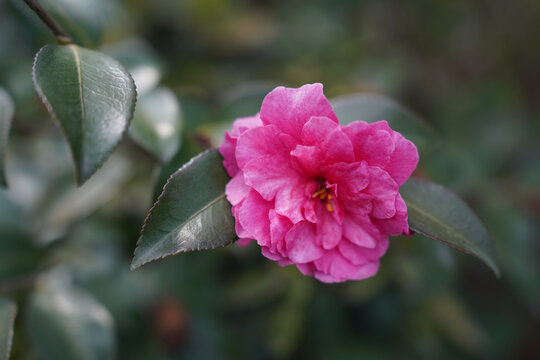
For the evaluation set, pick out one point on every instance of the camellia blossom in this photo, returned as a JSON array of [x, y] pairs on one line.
[[314, 193]]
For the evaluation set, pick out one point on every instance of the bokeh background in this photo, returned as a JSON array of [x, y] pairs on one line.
[[470, 69]]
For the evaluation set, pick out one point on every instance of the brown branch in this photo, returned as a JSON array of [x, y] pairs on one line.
[[49, 21]]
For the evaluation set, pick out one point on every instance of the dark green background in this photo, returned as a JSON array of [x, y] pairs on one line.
[[469, 68]]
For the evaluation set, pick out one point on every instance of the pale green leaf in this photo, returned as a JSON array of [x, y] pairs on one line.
[[66, 323], [157, 123]]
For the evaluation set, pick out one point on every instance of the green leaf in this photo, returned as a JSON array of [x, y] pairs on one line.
[[157, 123], [375, 107], [7, 110], [66, 323], [92, 97], [190, 148], [439, 214], [8, 311], [139, 59], [192, 212]]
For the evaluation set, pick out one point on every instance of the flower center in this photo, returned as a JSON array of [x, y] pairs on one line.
[[324, 195]]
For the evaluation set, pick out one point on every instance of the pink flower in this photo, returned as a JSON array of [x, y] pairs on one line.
[[315, 193]]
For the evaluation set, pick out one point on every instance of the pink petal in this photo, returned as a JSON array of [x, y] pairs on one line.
[[384, 189], [279, 226], [350, 178], [290, 200], [329, 231], [258, 142], [307, 268], [358, 255], [329, 137], [269, 175], [253, 216], [270, 254], [243, 242], [381, 146], [340, 269], [241, 125], [372, 142], [236, 189], [289, 109], [397, 224], [404, 159], [227, 150], [360, 231], [308, 159], [300, 240]]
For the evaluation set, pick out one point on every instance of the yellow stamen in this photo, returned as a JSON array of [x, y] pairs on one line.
[[323, 195], [318, 193], [329, 197], [329, 207]]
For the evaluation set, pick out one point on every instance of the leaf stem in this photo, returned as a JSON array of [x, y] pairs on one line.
[[49, 21]]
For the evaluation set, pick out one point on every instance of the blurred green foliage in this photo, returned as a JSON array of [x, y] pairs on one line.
[[469, 68]]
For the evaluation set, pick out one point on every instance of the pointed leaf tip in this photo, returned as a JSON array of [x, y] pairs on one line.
[[441, 215]]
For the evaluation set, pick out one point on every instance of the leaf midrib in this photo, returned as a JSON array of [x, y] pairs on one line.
[[428, 215], [78, 65]]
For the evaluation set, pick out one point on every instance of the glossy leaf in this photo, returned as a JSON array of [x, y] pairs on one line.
[[66, 323], [375, 107], [192, 213], [157, 123], [439, 214], [139, 59], [92, 97], [8, 311], [7, 109], [190, 148]]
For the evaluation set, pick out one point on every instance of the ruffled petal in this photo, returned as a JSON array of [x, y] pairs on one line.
[[351, 179], [253, 216], [329, 231], [300, 245], [384, 189], [268, 175], [360, 231], [241, 125], [279, 227], [357, 255], [236, 189], [333, 267], [404, 159], [289, 109], [372, 142], [308, 159], [290, 200], [397, 224], [227, 150], [329, 137], [258, 142]]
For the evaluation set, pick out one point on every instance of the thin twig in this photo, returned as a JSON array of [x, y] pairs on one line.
[[49, 21]]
